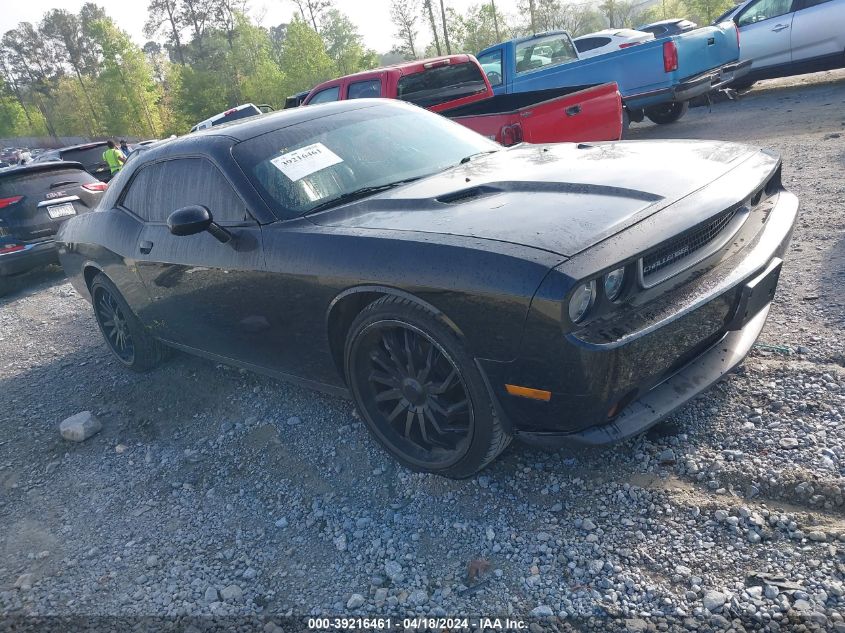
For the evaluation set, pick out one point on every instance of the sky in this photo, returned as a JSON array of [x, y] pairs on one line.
[[371, 16]]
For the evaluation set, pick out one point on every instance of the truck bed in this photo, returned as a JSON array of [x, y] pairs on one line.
[[565, 114], [657, 71]]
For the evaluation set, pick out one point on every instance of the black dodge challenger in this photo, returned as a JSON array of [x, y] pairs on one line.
[[461, 293]]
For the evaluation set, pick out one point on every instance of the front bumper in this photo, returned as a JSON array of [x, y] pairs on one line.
[[603, 393], [34, 255]]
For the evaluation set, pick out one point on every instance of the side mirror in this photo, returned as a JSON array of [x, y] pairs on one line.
[[196, 219]]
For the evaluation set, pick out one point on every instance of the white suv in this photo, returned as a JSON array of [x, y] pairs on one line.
[[233, 114]]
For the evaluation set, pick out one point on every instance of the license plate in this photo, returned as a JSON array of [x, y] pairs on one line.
[[757, 294], [61, 210]]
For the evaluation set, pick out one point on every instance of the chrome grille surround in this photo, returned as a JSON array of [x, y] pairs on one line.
[[687, 249]]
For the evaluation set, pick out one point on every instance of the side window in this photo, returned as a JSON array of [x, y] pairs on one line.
[[492, 65], [369, 89], [811, 3], [764, 10], [138, 195], [324, 96], [159, 189]]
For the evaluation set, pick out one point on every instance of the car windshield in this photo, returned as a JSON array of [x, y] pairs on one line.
[[311, 164]]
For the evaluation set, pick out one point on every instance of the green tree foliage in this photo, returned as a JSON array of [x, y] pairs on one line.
[[705, 11], [304, 57], [550, 15], [476, 28], [405, 14], [345, 45], [127, 90]]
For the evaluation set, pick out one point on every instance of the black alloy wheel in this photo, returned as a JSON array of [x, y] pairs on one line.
[[114, 325], [126, 337], [665, 113], [420, 397]]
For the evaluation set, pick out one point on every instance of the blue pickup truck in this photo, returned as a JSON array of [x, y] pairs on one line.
[[656, 78]]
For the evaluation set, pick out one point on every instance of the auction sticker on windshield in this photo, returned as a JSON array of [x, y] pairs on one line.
[[305, 161]]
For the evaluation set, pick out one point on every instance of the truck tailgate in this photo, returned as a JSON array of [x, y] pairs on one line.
[[706, 48], [592, 114]]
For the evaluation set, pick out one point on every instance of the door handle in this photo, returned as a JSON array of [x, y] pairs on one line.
[[780, 27], [146, 247], [573, 110]]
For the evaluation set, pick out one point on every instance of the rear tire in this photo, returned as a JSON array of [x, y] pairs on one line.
[[626, 124], [126, 337], [667, 112], [419, 391]]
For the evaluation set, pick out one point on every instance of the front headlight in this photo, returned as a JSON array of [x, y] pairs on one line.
[[581, 300], [613, 282]]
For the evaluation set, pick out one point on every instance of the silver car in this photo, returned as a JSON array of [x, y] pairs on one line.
[[789, 37]]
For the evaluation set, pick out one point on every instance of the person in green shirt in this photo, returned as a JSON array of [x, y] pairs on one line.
[[114, 157]]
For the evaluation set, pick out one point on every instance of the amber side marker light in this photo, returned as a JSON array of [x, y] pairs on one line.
[[528, 392]]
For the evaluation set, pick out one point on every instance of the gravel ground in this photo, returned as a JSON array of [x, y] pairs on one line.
[[212, 491]]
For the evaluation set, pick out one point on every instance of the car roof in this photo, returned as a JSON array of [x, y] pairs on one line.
[[90, 145], [261, 124], [18, 170], [526, 38], [665, 22], [610, 33]]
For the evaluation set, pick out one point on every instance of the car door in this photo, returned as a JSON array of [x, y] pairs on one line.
[[203, 293], [817, 29], [765, 28]]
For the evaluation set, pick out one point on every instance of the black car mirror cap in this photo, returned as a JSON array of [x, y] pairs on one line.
[[196, 219]]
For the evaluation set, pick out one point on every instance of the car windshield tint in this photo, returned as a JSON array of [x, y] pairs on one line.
[[243, 113], [443, 83], [90, 157], [545, 51], [303, 166]]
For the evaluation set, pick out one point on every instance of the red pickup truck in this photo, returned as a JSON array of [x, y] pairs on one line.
[[457, 87]]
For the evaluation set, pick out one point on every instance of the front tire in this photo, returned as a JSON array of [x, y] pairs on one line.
[[125, 336], [667, 112], [420, 392]]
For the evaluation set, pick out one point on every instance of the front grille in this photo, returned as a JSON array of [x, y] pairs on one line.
[[683, 246]]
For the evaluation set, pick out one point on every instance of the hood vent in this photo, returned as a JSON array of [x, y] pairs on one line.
[[463, 195]]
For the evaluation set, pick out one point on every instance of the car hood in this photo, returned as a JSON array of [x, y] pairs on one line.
[[559, 198]]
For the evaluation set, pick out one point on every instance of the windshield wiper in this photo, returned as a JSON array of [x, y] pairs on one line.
[[466, 159], [357, 194]]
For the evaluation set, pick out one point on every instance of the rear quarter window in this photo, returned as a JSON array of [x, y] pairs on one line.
[[441, 84], [552, 50], [591, 43], [369, 89]]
